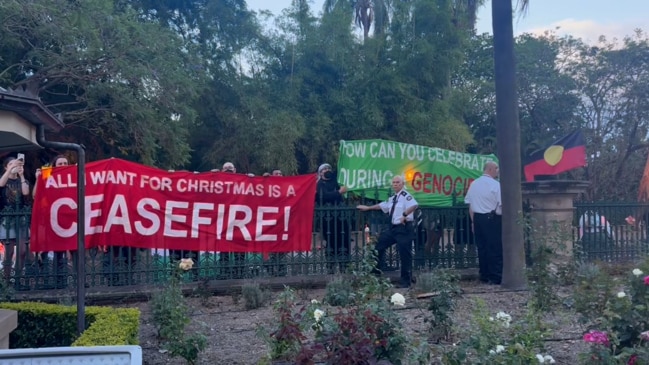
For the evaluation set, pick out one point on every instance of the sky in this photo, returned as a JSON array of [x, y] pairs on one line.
[[586, 19]]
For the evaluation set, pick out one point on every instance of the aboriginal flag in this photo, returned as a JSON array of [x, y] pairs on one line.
[[563, 155]]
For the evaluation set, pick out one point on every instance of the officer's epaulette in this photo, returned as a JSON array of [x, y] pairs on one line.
[[404, 193]]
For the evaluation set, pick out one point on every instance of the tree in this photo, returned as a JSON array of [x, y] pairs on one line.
[[367, 13], [612, 81], [119, 80], [508, 138]]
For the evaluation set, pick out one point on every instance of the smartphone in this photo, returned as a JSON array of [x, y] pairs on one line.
[[21, 157]]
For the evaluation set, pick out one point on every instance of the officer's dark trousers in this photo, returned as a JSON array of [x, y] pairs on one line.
[[488, 238], [402, 235]]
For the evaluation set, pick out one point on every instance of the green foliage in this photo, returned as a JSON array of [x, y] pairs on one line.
[[253, 296], [122, 82], [622, 329], [499, 339], [170, 317], [286, 338], [6, 290], [444, 287], [189, 347], [51, 325], [542, 277], [592, 289], [339, 292], [112, 327], [360, 287], [169, 311], [363, 329]]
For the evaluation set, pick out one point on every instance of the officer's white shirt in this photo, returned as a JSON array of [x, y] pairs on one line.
[[484, 195], [404, 201]]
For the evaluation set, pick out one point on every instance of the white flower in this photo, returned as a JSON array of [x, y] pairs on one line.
[[314, 301], [637, 272], [540, 358], [504, 318], [621, 294], [318, 314], [398, 299], [491, 319], [492, 352], [186, 264], [549, 359], [500, 348]]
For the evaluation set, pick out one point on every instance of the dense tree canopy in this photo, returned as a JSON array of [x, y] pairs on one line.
[[120, 80]]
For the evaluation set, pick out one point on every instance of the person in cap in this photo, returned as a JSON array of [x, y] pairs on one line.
[[336, 232], [235, 268], [229, 167]]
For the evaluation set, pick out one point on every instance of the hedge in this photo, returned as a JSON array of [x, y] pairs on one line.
[[51, 325]]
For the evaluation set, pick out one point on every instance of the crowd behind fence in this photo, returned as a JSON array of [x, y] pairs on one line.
[[443, 239]]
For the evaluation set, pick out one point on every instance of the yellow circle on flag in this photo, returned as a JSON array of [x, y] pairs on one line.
[[553, 155]]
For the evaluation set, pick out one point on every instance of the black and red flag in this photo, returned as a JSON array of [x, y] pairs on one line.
[[565, 154]]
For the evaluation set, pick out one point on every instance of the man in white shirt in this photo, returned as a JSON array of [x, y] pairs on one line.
[[400, 208], [485, 209]]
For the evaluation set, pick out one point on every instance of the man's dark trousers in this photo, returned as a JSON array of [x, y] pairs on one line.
[[488, 238], [402, 235]]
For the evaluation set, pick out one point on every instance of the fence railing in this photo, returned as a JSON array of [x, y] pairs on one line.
[[339, 242]]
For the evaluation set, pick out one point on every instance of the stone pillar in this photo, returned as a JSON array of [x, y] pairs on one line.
[[8, 323], [551, 209]]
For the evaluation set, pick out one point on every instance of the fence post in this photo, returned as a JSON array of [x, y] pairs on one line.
[[551, 211]]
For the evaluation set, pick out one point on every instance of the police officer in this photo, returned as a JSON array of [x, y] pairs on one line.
[[400, 207], [485, 209]]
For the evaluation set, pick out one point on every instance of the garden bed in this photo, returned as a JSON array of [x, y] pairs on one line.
[[232, 330]]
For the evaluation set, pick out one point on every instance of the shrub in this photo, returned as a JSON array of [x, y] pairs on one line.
[[499, 339], [443, 287], [253, 296], [364, 329], [52, 325], [622, 331], [170, 316], [339, 292]]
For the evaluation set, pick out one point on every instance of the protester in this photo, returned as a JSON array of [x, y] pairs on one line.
[[336, 230], [14, 195], [277, 266], [485, 209], [595, 233], [60, 264], [235, 268], [400, 208]]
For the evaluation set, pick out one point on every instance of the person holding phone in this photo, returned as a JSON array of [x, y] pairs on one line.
[[14, 195]]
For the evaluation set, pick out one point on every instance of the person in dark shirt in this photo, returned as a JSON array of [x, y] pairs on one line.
[[14, 195], [335, 229]]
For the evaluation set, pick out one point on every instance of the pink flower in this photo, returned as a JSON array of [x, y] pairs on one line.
[[596, 337], [630, 220], [644, 336], [646, 280], [632, 359]]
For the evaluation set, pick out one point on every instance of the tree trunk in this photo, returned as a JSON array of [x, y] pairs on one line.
[[509, 140]]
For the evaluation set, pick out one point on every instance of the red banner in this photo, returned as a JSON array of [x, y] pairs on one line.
[[128, 204]]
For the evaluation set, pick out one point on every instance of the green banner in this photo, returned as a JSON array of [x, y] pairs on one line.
[[434, 176]]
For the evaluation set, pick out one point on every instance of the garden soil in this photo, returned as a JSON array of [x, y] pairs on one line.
[[232, 331]]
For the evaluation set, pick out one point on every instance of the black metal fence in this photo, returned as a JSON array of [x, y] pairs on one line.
[[341, 238]]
